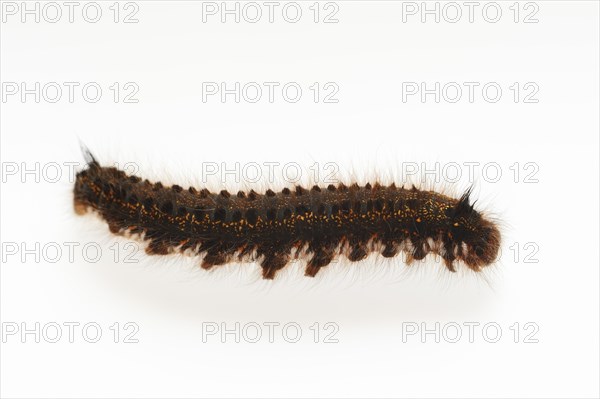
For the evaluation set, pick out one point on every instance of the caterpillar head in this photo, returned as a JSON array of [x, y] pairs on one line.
[[476, 239]]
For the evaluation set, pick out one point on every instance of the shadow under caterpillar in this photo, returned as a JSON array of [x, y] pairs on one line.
[[319, 223]]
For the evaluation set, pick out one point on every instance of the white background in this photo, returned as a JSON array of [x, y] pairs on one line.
[[371, 132]]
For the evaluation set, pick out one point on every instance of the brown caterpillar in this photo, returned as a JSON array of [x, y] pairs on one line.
[[319, 223]]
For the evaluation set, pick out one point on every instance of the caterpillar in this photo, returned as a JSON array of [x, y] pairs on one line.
[[316, 224]]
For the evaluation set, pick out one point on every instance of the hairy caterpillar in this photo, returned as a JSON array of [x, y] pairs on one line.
[[319, 223]]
